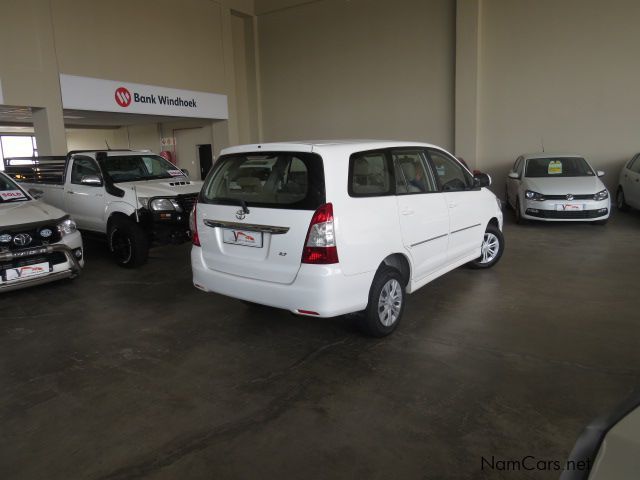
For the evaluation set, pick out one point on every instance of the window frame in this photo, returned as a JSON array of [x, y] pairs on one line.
[[468, 174], [391, 191], [92, 160], [425, 164]]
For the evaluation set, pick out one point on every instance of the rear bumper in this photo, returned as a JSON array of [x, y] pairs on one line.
[[322, 289], [69, 269]]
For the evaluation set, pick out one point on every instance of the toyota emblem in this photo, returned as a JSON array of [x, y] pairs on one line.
[[22, 239], [240, 215], [569, 197]]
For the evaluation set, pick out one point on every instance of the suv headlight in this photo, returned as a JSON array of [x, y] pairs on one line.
[[165, 204], [531, 195], [67, 227], [602, 195]]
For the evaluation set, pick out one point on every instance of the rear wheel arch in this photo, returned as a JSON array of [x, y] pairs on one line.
[[400, 262]]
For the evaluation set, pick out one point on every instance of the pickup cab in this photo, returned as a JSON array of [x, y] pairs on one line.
[[134, 198], [38, 243]]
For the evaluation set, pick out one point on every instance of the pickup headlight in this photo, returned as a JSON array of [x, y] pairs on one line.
[[164, 205], [67, 227], [602, 195], [531, 195]]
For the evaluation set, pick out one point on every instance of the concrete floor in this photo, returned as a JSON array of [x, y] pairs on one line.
[[136, 374]]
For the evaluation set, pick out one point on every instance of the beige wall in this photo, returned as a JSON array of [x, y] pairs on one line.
[[563, 71], [91, 138], [358, 68]]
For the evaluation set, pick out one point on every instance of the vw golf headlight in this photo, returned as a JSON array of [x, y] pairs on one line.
[[601, 195], [531, 195], [67, 227], [165, 204]]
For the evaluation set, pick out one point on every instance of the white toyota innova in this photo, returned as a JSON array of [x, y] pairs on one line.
[[333, 227]]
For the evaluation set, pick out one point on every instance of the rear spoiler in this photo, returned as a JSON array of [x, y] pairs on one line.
[[44, 169]]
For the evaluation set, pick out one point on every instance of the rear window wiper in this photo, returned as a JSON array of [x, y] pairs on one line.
[[239, 201]]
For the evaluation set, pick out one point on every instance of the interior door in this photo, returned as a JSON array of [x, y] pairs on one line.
[[206, 159], [423, 212], [85, 203], [456, 183]]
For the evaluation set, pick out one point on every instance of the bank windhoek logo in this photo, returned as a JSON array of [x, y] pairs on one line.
[[123, 97]]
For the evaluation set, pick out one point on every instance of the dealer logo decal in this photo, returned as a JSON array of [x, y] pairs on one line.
[[123, 97]]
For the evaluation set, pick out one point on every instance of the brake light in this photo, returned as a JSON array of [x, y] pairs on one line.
[[320, 244], [193, 225]]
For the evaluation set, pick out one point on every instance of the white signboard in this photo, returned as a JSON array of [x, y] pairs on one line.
[[86, 93]]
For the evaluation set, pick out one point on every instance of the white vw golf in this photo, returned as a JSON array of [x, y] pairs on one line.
[[557, 187], [336, 227]]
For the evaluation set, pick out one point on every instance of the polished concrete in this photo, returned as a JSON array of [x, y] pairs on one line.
[[136, 374]]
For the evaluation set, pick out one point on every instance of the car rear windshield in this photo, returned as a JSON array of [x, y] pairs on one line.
[[558, 167], [288, 180], [10, 192]]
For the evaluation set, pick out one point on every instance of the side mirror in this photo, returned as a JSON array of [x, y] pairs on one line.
[[185, 171], [482, 180], [35, 193], [91, 181], [600, 173], [514, 175]]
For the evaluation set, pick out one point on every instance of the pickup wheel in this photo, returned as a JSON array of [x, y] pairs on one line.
[[127, 243], [386, 303], [491, 250]]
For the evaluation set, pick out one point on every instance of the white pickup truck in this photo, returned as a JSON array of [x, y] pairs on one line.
[[135, 198], [38, 243]]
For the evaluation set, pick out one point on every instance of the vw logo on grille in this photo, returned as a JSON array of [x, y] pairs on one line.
[[569, 196], [46, 233], [22, 239], [240, 215], [5, 238]]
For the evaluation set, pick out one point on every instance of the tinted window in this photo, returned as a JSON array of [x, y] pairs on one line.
[[636, 165], [369, 175], [131, 168], [83, 166], [558, 167], [10, 191], [451, 175], [411, 172], [270, 179]]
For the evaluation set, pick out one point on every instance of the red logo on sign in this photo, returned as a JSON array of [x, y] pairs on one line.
[[123, 97]]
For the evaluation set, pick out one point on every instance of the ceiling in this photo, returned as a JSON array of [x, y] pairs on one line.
[[12, 117]]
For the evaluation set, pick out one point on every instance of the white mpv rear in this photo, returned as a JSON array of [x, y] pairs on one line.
[[329, 228]]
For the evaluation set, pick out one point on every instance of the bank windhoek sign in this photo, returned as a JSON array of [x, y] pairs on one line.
[[86, 93]]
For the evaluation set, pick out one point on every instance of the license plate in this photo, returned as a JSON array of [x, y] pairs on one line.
[[27, 271], [246, 238], [566, 207]]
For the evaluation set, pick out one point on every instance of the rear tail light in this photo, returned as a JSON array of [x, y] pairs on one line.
[[320, 244], [193, 225]]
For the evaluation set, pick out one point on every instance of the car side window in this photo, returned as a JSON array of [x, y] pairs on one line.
[[412, 172], [369, 174], [636, 165], [631, 162], [83, 166], [450, 174], [517, 167]]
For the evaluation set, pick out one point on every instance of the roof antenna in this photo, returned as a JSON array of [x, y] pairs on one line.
[[542, 143], [107, 144]]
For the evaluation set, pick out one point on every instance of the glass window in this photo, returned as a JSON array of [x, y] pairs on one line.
[[132, 168], [636, 165], [17, 146], [10, 191], [411, 174], [369, 175], [558, 167], [270, 180], [451, 175], [83, 166]]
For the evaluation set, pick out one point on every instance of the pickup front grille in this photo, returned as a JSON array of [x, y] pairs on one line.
[[187, 201], [27, 236]]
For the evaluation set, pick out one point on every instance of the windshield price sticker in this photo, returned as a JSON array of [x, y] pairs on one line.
[[555, 167], [176, 173], [11, 194]]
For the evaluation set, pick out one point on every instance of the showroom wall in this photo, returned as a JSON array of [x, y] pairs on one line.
[[565, 72], [358, 68]]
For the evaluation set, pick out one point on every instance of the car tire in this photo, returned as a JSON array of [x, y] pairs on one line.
[[387, 299], [128, 243], [492, 248], [621, 201], [518, 214]]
